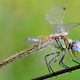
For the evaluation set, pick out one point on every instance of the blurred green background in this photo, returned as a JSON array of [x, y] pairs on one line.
[[20, 19]]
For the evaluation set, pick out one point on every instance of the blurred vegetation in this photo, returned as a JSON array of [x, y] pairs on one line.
[[20, 19]]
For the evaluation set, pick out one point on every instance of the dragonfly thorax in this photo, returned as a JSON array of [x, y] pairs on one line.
[[58, 34], [64, 33]]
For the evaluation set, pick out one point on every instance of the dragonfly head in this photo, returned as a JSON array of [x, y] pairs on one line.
[[76, 46]]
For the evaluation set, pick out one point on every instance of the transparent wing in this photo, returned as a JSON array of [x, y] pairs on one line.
[[56, 17], [34, 40], [41, 41], [38, 40], [71, 26], [66, 27]]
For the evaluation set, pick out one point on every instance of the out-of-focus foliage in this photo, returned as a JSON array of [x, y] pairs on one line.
[[20, 19]]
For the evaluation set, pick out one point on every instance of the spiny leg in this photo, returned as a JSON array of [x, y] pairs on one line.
[[53, 59], [47, 62], [75, 60], [49, 67], [61, 62]]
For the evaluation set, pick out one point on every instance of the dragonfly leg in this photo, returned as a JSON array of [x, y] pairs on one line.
[[53, 59], [76, 60], [61, 63]]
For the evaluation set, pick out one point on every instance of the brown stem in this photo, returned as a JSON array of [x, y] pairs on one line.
[[57, 73]]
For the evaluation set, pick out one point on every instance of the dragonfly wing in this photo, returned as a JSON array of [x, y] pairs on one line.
[[34, 40], [59, 28], [48, 45], [71, 26], [41, 41], [56, 16], [38, 40]]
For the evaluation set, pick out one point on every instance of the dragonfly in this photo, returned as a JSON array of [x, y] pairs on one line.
[[58, 40]]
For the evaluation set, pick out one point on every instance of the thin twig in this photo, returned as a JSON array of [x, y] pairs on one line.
[[57, 73]]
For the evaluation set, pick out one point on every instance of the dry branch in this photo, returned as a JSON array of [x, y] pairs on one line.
[[57, 73]]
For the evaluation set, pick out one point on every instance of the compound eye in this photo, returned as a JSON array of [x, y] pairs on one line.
[[76, 46]]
